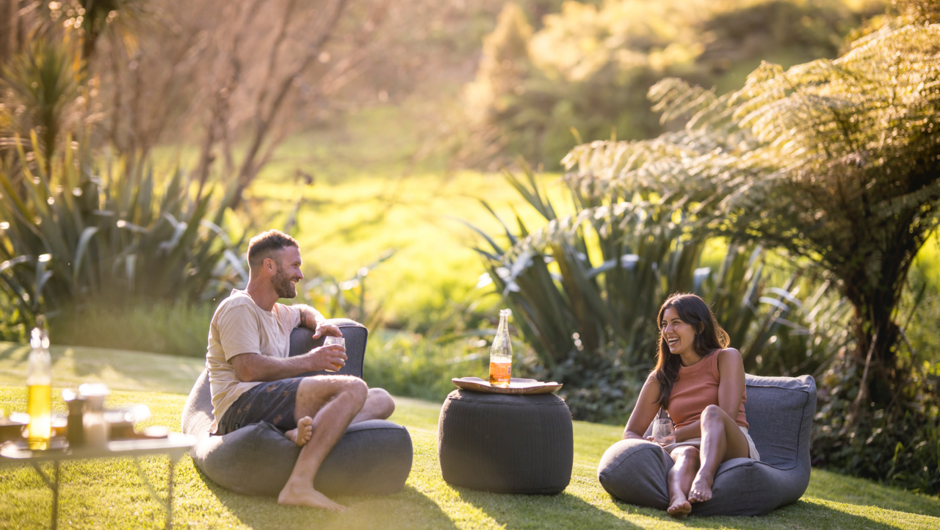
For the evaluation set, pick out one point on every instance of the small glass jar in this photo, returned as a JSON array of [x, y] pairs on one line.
[[75, 427], [95, 427]]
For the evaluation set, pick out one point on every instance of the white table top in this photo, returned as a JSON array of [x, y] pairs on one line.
[[175, 444]]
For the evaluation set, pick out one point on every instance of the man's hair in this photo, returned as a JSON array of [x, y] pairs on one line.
[[265, 244]]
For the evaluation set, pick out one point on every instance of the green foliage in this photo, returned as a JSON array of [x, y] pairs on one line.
[[39, 89], [419, 366], [589, 68], [73, 237], [898, 445], [586, 290], [346, 299], [178, 328], [927, 11]]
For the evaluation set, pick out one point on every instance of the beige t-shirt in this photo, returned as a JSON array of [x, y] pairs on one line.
[[240, 326]]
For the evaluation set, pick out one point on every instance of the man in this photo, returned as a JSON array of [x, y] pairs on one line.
[[253, 380]]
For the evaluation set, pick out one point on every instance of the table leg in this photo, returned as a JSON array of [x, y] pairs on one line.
[[54, 486], [169, 492], [55, 498], [169, 497]]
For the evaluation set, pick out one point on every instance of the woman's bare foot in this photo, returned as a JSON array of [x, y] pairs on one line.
[[304, 495], [701, 489], [301, 435], [679, 508]]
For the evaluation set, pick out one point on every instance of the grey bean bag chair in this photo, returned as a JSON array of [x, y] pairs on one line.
[[372, 458], [780, 413]]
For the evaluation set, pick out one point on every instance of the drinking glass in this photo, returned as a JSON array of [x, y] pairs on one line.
[[330, 340], [664, 433]]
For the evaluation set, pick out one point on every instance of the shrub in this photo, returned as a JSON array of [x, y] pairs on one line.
[[161, 327], [898, 445], [422, 367], [72, 236]]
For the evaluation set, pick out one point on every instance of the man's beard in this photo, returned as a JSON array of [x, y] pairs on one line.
[[283, 286]]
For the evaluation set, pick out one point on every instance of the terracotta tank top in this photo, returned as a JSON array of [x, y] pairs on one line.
[[696, 388]]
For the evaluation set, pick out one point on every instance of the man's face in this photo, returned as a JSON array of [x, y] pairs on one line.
[[288, 264]]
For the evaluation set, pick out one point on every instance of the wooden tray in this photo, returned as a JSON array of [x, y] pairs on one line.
[[516, 386]]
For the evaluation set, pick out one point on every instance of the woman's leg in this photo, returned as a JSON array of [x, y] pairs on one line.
[[722, 440], [680, 478]]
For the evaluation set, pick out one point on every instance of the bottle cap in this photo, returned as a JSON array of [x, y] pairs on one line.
[[35, 338], [505, 312]]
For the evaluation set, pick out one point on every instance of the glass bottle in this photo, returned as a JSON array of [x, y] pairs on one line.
[[501, 352], [39, 385]]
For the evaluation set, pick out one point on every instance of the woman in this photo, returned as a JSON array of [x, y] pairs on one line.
[[700, 382]]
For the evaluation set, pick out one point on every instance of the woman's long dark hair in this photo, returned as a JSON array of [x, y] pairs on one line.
[[709, 337]]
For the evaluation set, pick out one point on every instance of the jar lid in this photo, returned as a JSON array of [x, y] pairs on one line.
[[93, 390]]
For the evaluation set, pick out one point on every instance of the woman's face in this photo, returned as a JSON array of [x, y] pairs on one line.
[[679, 335]]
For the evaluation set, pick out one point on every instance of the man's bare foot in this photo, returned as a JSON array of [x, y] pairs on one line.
[[301, 435], [301, 495], [679, 508], [701, 489]]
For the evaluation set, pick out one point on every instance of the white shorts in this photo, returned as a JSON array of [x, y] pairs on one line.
[[697, 442]]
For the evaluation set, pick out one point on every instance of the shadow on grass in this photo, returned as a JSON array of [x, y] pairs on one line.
[[799, 515], [542, 511], [406, 509]]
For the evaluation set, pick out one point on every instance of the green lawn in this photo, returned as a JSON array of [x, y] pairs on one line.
[[111, 494]]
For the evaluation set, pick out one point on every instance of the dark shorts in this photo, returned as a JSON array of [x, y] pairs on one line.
[[268, 402]]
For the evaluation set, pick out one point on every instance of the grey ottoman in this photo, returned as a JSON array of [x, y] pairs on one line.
[[372, 458], [780, 413], [506, 443]]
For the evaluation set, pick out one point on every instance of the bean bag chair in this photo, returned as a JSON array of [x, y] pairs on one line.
[[506, 443], [372, 458], [780, 413]]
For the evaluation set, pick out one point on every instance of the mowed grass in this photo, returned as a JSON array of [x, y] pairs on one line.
[[112, 494]]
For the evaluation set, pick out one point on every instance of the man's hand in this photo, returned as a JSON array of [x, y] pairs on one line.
[[257, 367], [324, 328], [330, 358]]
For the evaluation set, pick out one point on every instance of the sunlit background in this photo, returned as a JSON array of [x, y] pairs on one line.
[[434, 160]]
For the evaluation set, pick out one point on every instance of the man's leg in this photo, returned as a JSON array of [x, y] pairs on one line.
[[379, 406], [331, 402], [721, 440]]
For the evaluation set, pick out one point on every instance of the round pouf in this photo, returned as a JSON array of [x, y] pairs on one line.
[[506, 443]]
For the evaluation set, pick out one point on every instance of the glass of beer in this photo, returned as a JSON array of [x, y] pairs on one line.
[[331, 340]]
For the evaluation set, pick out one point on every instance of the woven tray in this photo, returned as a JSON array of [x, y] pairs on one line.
[[516, 386]]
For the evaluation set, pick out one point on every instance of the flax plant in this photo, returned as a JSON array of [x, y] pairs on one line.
[[75, 236]]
